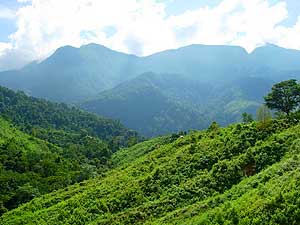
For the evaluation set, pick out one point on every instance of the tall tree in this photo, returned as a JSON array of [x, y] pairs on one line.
[[263, 114], [247, 118], [284, 97]]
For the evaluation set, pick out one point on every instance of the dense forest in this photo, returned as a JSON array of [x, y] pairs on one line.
[[46, 146], [38, 117], [30, 167]]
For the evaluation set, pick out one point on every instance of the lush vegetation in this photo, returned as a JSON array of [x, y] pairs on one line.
[[285, 96], [62, 165], [30, 167], [63, 145], [39, 117], [218, 176]]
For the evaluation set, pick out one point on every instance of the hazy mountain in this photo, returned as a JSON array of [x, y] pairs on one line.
[[75, 74], [211, 83], [275, 58], [156, 104], [72, 74]]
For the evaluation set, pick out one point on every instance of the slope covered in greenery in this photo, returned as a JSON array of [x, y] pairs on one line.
[[63, 145], [204, 177], [30, 167]]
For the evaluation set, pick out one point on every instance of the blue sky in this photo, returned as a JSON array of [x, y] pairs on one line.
[[33, 29], [8, 25]]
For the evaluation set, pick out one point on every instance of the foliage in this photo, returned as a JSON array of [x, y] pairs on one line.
[[218, 176], [32, 114], [30, 167], [76, 146], [284, 97], [247, 118]]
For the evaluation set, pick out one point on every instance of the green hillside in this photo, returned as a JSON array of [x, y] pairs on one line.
[[46, 146], [30, 167], [242, 174], [46, 120]]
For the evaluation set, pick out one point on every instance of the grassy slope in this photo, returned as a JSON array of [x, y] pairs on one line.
[[200, 177]]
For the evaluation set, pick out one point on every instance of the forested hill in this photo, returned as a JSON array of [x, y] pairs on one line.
[[63, 145], [33, 115], [31, 167], [242, 174]]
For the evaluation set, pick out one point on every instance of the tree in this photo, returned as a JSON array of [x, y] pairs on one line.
[[284, 97], [263, 114], [247, 118]]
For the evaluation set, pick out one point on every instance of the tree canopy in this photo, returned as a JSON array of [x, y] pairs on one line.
[[284, 97]]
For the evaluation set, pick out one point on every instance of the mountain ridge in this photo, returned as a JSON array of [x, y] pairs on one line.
[[80, 73]]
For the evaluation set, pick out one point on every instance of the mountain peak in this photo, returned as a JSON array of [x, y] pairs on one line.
[[94, 46]]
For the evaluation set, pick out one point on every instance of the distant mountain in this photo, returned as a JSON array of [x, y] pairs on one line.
[[74, 74], [275, 58], [71, 74], [155, 104], [211, 83]]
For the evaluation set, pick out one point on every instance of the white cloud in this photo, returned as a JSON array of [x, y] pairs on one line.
[[235, 22], [4, 46], [142, 26], [6, 13]]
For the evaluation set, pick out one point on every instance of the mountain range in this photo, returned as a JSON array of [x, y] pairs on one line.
[[60, 164], [174, 90]]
